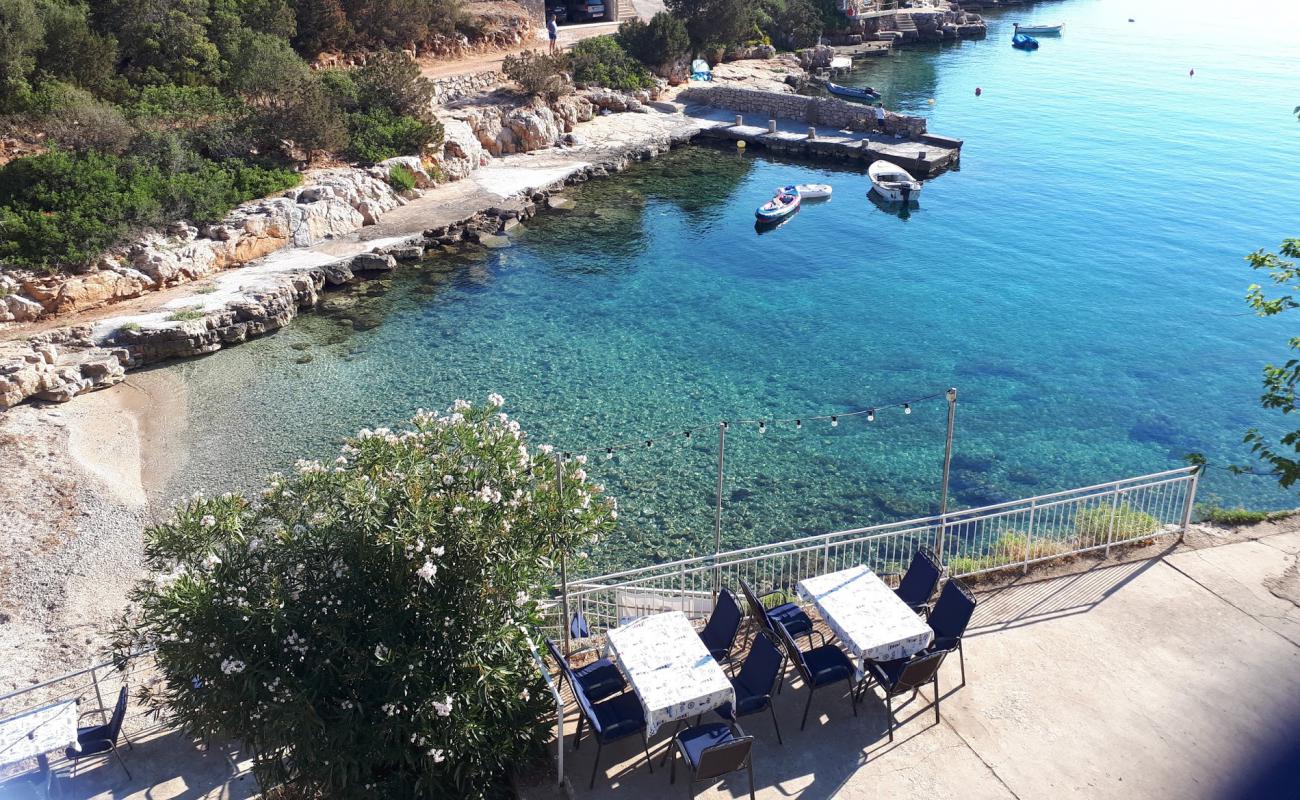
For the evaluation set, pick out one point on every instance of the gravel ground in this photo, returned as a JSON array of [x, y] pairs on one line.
[[72, 494]]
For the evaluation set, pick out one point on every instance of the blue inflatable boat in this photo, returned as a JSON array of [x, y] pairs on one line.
[[1024, 42]]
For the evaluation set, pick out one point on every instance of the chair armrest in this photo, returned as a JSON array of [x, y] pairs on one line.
[[811, 631]]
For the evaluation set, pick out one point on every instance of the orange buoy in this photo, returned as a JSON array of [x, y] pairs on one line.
[[978, 91]]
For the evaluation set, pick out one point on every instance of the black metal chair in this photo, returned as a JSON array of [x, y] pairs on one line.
[[905, 675], [948, 620], [713, 750], [99, 739], [610, 720], [919, 582], [719, 634], [788, 614], [757, 680], [599, 679], [819, 667]]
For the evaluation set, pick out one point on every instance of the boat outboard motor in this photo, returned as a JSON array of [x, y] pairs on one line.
[[907, 193]]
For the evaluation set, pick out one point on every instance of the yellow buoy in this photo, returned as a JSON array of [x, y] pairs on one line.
[[930, 101], [740, 144]]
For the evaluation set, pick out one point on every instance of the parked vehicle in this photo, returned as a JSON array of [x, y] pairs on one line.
[[586, 11]]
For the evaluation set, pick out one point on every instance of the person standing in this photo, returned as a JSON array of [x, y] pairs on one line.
[[880, 117], [553, 30]]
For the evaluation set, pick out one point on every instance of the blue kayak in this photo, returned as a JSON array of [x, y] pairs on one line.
[[1024, 42]]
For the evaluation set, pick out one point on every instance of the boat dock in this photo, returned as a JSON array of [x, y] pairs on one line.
[[921, 153]]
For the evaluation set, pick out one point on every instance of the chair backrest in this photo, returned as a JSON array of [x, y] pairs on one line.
[[792, 650], [578, 627], [918, 672], [921, 578], [119, 715], [762, 667], [953, 610], [721, 759], [724, 623], [756, 608], [585, 706]]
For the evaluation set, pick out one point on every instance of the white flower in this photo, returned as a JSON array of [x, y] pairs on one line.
[[495, 400], [448, 480], [381, 652], [443, 708], [459, 405], [580, 475], [428, 571], [546, 449], [438, 755], [210, 561], [581, 458], [437, 551], [231, 666], [523, 695], [208, 521], [521, 597]]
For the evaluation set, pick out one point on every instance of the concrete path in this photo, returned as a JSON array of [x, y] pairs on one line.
[[1169, 676]]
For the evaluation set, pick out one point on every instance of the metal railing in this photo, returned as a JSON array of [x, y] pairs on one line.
[[1018, 533]]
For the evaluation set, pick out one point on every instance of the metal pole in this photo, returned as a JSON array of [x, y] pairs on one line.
[[564, 560], [947, 468], [717, 512], [1191, 500], [94, 678]]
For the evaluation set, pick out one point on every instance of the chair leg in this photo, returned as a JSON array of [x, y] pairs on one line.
[[120, 761], [645, 743], [889, 707], [961, 656], [577, 737], [750, 764], [936, 697], [596, 765], [806, 706], [853, 695], [772, 707], [672, 753]]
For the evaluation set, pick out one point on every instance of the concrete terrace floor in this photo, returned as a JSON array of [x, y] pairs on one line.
[[1172, 674]]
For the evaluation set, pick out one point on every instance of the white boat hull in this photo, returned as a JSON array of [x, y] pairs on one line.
[[890, 195], [809, 191]]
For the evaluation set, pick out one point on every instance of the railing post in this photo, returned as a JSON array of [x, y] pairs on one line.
[[1114, 512], [1191, 501], [1029, 535], [564, 566], [681, 586], [947, 469], [717, 512], [826, 555], [94, 678]]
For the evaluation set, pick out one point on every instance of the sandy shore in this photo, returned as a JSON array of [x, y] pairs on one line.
[[75, 483]]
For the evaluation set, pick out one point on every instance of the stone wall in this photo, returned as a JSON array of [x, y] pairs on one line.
[[446, 90], [827, 112]]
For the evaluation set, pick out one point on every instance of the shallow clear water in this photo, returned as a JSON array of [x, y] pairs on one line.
[[1080, 280]]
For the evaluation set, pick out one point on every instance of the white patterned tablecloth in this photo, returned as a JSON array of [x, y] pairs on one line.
[[38, 731], [866, 614], [669, 668]]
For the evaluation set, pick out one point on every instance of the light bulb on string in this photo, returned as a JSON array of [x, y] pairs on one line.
[[798, 424], [688, 434], [762, 427], [609, 453], [907, 408], [835, 422], [649, 442], [871, 415]]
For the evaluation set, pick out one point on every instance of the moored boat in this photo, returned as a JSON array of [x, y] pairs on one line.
[[865, 93], [1039, 30], [808, 191], [784, 204], [1023, 42], [892, 183]]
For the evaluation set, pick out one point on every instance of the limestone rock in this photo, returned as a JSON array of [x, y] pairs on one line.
[[373, 262]]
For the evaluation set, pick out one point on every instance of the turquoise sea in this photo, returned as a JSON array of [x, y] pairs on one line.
[[1080, 281]]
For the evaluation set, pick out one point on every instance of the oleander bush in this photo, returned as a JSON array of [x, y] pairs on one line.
[[379, 134], [539, 74], [363, 624], [601, 61], [660, 44]]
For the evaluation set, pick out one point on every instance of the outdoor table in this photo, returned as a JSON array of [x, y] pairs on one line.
[[669, 668], [34, 733], [866, 615]]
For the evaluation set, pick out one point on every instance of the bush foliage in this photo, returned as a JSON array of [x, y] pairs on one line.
[[660, 44], [601, 61], [539, 74], [363, 626]]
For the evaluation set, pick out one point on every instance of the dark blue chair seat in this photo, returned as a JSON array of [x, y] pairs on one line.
[[903, 675], [97, 739], [600, 679], [792, 617], [619, 716], [828, 664], [758, 676], [694, 740], [719, 635], [949, 618], [92, 740], [711, 751]]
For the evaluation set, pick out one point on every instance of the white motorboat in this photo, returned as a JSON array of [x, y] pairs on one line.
[[1039, 30], [892, 183], [808, 191]]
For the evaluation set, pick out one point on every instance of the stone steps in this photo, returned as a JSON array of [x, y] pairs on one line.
[[904, 22]]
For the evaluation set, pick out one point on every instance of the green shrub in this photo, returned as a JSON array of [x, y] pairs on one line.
[[364, 624], [61, 208], [182, 104], [600, 61], [185, 315], [394, 82], [1094, 525], [401, 178], [76, 120], [1233, 517], [660, 44], [129, 327], [380, 134], [539, 74]]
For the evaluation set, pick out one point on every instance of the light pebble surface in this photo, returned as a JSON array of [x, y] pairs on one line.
[[73, 484]]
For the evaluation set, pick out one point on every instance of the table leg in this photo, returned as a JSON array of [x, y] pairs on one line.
[[43, 767]]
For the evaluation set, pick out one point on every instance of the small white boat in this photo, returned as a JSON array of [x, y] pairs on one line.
[[892, 183], [784, 204], [808, 191], [1039, 30]]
